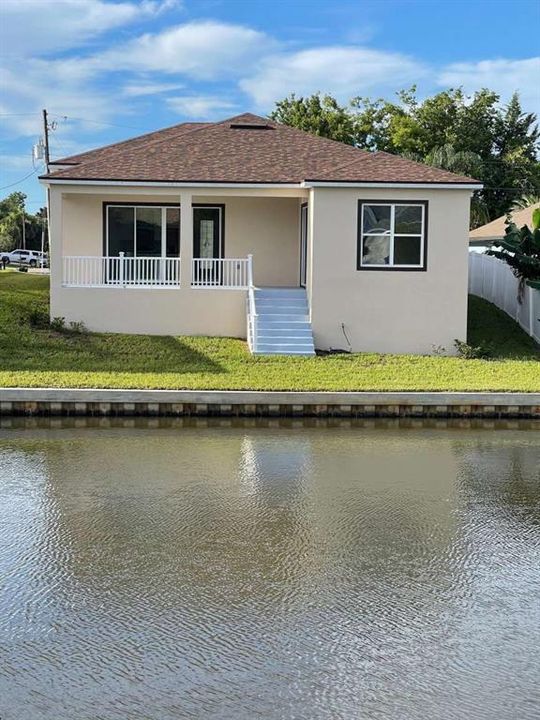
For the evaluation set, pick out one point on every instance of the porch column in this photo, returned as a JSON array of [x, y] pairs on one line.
[[186, 238]]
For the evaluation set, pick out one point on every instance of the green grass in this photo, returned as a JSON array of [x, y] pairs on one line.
[[33, 357]]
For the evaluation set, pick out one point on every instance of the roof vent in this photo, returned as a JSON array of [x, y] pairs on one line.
[[249, 126]]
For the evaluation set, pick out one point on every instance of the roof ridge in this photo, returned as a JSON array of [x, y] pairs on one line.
[[237, 117]]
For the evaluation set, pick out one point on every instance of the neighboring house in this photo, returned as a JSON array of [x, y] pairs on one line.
[[484, 236], [246, 227]]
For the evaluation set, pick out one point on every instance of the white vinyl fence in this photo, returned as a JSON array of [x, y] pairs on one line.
[[493, 280]]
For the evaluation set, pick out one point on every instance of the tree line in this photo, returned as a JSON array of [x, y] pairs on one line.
[[19, 228], [469, 135]]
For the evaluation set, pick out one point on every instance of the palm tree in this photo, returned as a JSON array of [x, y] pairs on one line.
[[524, 202], [462, 162]]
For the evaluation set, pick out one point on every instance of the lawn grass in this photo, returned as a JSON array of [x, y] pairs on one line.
[[40, 357]]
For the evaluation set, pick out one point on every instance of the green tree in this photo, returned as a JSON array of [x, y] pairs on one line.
[[462, 162], [12, 216], [318, 115], [513, 169], [11, 220], [471, 135]]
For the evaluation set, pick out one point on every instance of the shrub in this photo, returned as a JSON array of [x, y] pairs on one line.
[[77, 327], [472, 352], [58, 324], [38, 317]]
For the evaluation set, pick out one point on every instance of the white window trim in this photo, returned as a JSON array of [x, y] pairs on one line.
[[134, 207], [392, 234]]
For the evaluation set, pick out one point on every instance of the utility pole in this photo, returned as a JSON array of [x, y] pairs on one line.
[[23, 230], [47, 193], [46, 138]]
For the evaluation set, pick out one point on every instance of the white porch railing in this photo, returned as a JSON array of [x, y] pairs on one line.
[[222, 273], [251, 312], [120, 271]]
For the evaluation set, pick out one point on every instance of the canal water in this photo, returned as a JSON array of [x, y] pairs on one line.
[[164, 570]]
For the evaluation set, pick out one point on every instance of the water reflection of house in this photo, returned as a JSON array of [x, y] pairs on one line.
[[204, 502], [203, 482]]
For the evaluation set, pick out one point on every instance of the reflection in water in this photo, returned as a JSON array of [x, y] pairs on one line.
[[276, 572]]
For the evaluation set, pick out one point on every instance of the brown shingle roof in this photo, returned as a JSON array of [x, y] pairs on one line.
[[243, 149], [496, 229], [128, 145]]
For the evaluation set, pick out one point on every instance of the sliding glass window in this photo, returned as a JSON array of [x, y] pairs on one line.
[[142, 230]]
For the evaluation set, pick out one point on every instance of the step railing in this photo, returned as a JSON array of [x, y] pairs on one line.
[[120, 271], [221, 273], [251, 310]]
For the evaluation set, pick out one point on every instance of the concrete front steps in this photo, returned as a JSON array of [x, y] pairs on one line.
[[283, 325]]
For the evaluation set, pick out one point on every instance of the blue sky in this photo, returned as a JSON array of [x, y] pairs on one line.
[[110, 70]]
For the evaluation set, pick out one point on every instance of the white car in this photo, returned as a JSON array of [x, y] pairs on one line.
[[33, 258]]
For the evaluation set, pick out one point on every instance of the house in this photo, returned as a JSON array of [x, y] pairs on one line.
[[484, 236], [249, 228]]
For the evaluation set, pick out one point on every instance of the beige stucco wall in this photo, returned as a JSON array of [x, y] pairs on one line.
[[387, 311], [220, 313]]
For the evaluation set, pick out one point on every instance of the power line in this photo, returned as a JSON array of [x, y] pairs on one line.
[[97, 122], [20, 180], [79, 119]]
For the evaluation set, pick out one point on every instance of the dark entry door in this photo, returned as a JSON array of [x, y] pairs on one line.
[[206, 232], [303, 244], [207, 244]]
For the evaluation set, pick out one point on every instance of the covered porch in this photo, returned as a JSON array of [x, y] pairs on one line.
[[227, 242], [206, 266]]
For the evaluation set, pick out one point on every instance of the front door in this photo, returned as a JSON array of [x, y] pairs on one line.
[[303, 243], [207, 243]]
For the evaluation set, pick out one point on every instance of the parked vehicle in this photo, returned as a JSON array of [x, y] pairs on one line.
[[33, 258]]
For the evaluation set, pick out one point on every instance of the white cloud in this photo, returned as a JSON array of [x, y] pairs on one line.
[[202, 50], [36, 27], [16, 162], [202, 107], [71, 85], [85, 87], [502, 75], [55, 86], [142, 88], [344, 71]]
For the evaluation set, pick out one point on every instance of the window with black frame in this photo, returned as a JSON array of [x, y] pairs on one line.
[[392, 235]]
